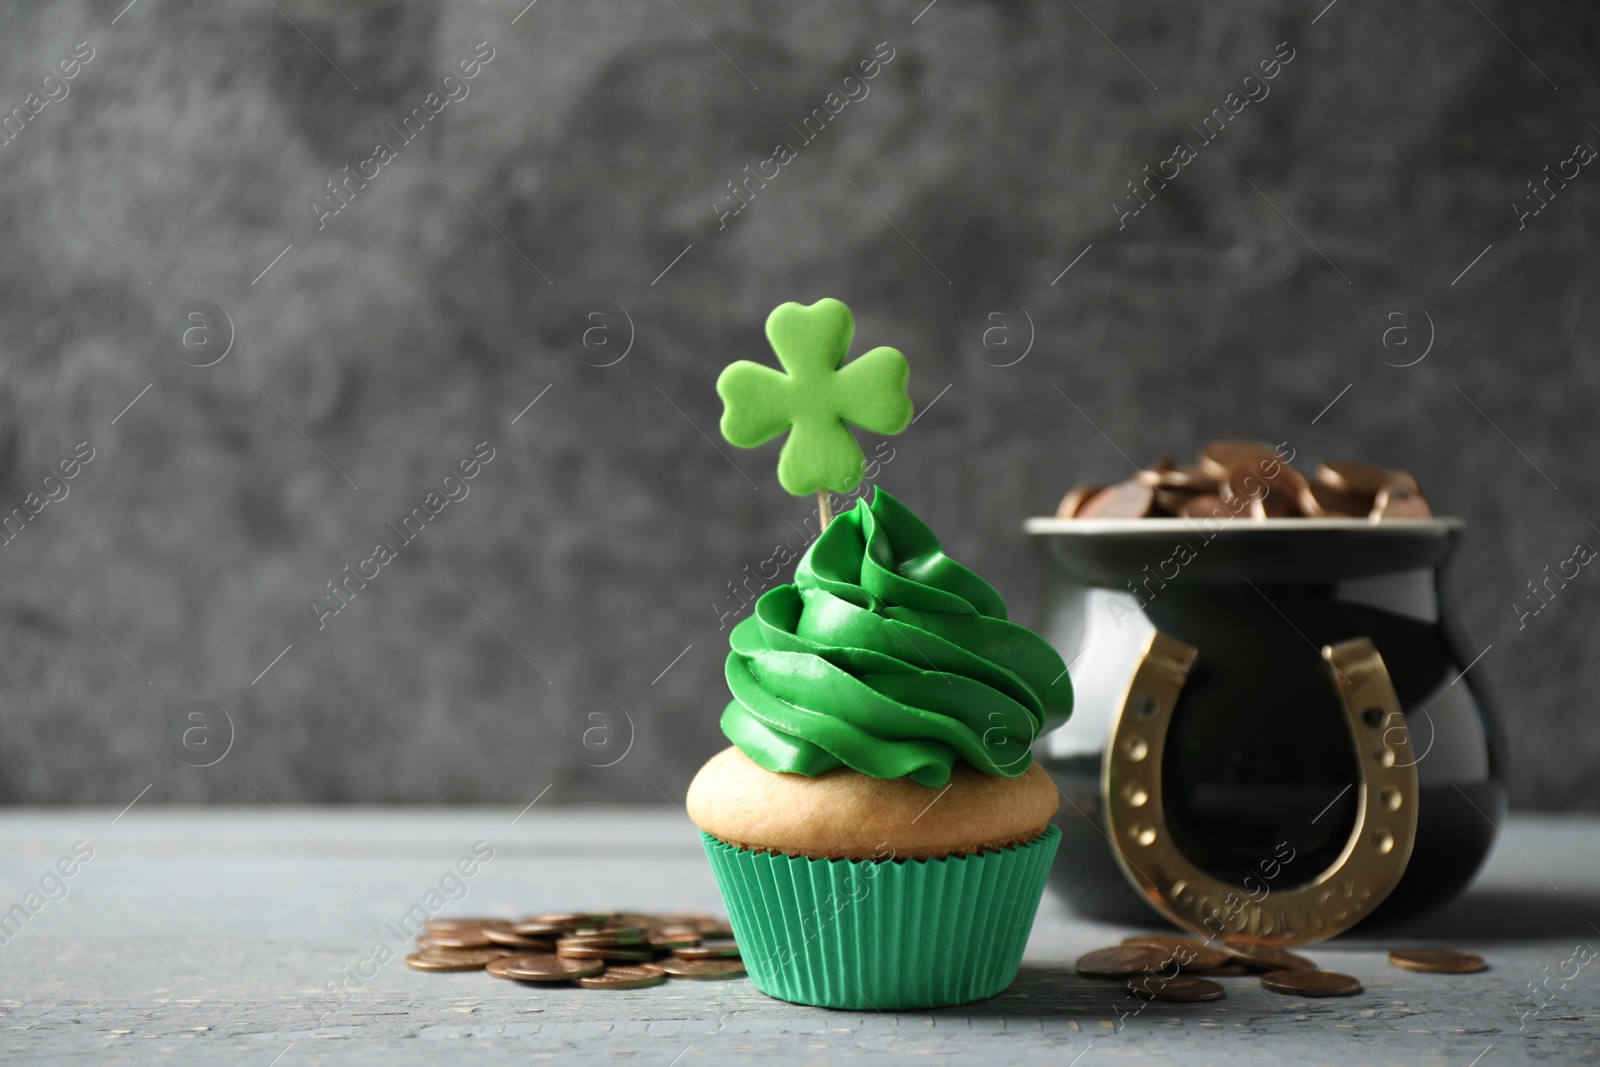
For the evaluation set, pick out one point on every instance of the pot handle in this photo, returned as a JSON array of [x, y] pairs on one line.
[[1364, 874]]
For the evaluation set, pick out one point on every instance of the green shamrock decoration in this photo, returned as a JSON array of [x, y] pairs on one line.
[[816, 398]]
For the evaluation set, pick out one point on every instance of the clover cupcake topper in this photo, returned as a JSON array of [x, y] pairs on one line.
[[816, 397]]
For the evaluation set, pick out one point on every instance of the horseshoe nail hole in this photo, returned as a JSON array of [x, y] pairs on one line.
[[1385, 757], [1137, 749], [1135, 795], [1145, 705], [1372, 717], [1383, 841], [1389, 797], [1143, 834]]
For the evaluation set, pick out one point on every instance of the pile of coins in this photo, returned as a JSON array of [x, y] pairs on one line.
[[593, 950], [1164, 967], [1252, 479]]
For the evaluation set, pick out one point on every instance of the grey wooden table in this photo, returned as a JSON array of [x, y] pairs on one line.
[[223, 937]]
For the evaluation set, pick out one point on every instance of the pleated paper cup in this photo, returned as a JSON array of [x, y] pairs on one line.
[[882, 934]]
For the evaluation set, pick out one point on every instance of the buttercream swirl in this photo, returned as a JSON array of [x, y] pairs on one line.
[[888, 657]]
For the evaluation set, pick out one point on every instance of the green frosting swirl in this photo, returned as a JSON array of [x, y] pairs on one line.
[[888, 657]]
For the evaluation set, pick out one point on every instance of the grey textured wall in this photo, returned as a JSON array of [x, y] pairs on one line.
[[581, 172]]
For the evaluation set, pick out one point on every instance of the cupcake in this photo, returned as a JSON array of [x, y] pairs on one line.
[[879, 830]]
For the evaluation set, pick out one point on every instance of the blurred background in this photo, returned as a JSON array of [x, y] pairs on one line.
[[561, 243]]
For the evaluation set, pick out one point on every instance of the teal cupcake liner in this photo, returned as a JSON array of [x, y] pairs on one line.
[[882, 935]]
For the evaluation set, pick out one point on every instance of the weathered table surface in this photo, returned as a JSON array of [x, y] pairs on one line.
[[219, 936]]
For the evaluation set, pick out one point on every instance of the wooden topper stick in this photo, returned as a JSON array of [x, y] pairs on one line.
[[824, 509]]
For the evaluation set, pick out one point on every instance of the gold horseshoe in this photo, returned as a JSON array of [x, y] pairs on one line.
[[1364, 874]]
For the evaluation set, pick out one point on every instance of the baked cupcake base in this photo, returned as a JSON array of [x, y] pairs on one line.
[[882, 935], [848, 815]]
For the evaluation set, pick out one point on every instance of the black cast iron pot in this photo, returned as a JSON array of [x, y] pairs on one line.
[[1268, 775]]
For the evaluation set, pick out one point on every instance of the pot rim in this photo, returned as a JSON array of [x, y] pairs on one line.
[[1049, 526]]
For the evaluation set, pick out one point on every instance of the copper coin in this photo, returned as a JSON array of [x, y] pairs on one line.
[[601, 952], [1192, 478], [1400, 501], [1231, 970], [1188, 954], [663, 940], [713, 951], [529, 928], [703, 925], [1358, 479], [1151, 475], [1219, 458], [441, 926], [1285, 493], [462, 960], [498, 967], [1197, 958], [703, 969], [692, 920], [573, 918], [1187, 479], [604, 938], [1170, 501], [1161, 940], [615, 926], [512, 939], [445, 947], [543, 967], [1206, 506], [1240, 487], [1305, 500], [1267, 957], [1179, 990], [1339, 503], [1304, 983], [451, 952], [634, 976], [461, 937], [1074, 500], [1436, 961], [1125, 500], [1122, 961]]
